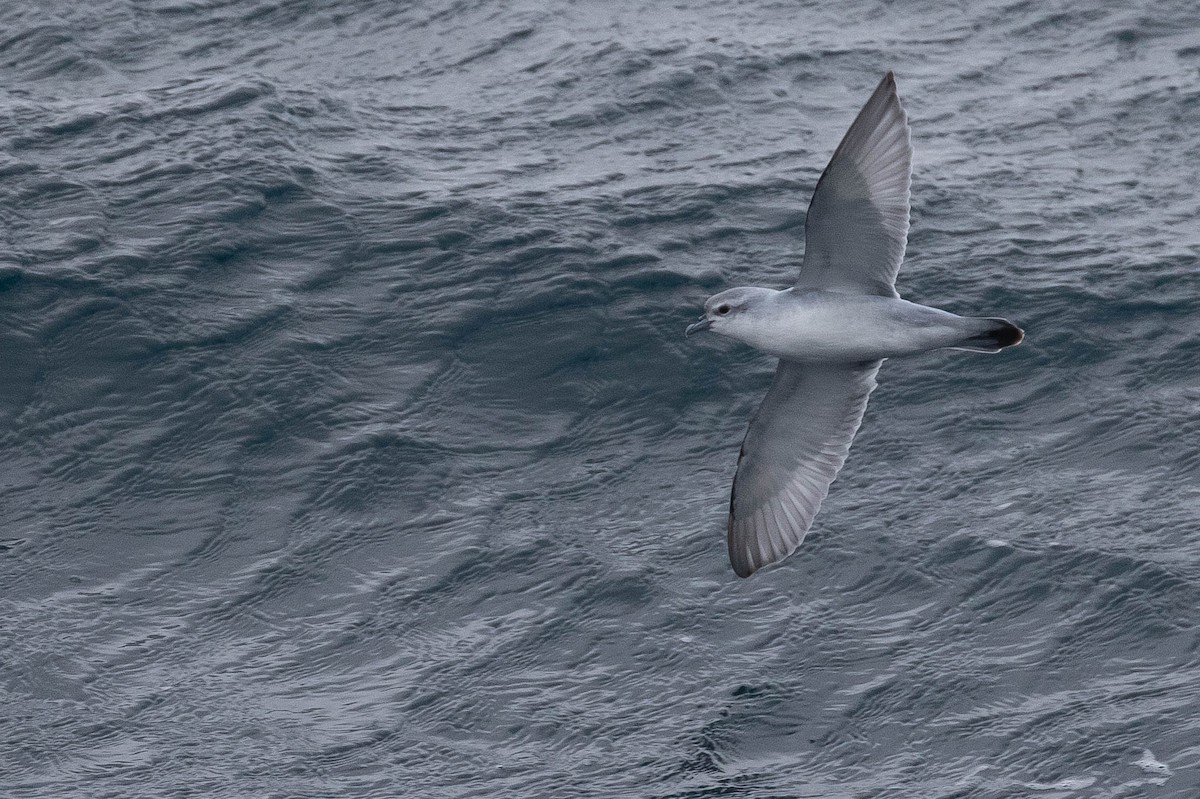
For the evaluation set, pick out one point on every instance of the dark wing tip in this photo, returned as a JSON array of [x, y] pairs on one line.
[[743, 566], [888, 85]]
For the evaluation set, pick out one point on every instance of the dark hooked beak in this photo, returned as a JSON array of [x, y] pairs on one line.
[[698, 327]]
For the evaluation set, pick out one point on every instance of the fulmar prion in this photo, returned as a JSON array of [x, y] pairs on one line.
[[831, 331]]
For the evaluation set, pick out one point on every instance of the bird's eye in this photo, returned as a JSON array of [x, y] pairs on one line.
[[722, 309]]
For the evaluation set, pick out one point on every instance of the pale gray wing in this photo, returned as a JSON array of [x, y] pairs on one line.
[[796, 444], [857, 224]]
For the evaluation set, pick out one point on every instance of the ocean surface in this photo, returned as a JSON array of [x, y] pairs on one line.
[[352, 446]]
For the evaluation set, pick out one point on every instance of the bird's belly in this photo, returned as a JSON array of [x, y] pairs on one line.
[[843, 328]]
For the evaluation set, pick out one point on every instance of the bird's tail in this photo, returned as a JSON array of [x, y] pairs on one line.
[[990, 334]]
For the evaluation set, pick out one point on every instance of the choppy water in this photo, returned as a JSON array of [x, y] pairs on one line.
[[352, 446]]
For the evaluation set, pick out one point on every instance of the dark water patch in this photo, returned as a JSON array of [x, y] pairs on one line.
[[47, 51]]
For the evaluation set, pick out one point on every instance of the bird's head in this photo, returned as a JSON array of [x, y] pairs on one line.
[[730, 311]]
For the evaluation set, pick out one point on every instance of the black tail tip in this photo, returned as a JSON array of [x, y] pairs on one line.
[[998, 334], [1006, 334]]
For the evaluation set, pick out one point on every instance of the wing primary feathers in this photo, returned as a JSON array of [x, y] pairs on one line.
[[856, 230], [795, 446]]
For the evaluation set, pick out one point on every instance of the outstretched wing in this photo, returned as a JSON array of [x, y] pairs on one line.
[[857, 224], [797, 442]]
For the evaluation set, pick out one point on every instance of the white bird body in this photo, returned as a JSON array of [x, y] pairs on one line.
[[831, 326], [831, 332]]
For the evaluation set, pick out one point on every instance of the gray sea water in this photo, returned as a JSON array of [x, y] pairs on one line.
[[352, 446]]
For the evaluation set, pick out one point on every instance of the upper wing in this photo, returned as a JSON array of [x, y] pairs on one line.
[[857, 224], [796, 444]]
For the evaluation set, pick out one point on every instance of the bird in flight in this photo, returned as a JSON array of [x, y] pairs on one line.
[[831, 331]]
